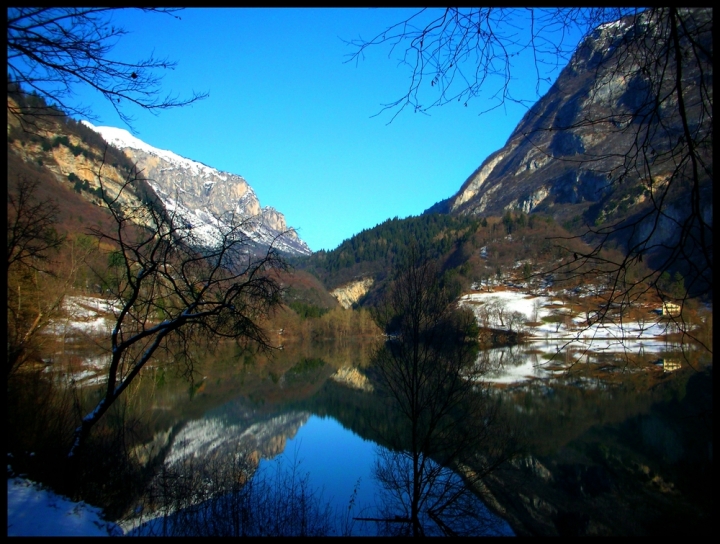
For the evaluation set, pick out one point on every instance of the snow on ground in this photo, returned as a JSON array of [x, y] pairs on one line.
[[89, 315], [606, 335], [35, 511]]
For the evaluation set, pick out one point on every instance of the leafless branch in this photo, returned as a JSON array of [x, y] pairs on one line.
[[52, 51]]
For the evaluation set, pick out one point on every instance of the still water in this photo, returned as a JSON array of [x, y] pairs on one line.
[[338, 462], [309, 410]]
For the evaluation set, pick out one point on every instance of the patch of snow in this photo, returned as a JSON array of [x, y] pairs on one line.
[[35, 511], [613, 24], [611, 332], [121, 138]]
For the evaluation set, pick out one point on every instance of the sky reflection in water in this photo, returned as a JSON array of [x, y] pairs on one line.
[[336, 459]]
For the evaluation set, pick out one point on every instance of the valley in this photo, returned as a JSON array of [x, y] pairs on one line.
[[530, 356]]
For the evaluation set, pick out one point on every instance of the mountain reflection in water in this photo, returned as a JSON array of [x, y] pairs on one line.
[[589, 431]]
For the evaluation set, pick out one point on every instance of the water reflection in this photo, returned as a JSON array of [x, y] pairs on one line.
[[609, 445], [339, 464], [545, 359], [214, 437], [628, 457]]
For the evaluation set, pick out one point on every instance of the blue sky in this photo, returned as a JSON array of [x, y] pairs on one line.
[[288, 113]]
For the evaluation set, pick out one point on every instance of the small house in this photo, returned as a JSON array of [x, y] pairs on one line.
[[668, 365]]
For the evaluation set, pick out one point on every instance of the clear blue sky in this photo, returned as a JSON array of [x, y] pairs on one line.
[[287, 113]]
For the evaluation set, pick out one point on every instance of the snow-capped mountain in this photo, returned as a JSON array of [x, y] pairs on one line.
[[203, 196]]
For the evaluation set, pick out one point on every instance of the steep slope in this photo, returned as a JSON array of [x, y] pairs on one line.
[[64, 157], [204, 196], [607, 144], [68, 156], [368, 258]]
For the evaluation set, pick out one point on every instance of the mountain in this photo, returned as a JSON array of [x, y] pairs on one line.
[[606, 145], [603, 149], [66, 157], [204, 196], [372, 253]]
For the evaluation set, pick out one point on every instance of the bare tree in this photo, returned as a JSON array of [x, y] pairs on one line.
[[35, 288], [661, 131], [483, 314], [536, 307], [173, 292], [427, 370], [31, 233], [496, 310], [516, 321], [53, 50]]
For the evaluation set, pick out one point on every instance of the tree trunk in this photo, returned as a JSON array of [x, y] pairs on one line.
[[83, 431]]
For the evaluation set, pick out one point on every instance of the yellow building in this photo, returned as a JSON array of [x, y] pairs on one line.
[[670, 308]]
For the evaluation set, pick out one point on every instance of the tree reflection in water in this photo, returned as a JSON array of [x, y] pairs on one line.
[[427, 372]]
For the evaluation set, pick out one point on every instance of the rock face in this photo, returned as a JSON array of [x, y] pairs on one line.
[[597, 146], [76, 158], [205, 196], [349, 294]]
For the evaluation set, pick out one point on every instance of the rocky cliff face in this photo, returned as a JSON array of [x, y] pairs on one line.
[[205, 196], [75, 161], [598, 146], [349, 294]]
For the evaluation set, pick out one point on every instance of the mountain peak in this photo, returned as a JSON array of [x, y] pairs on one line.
[[122, 139], [204, 196]]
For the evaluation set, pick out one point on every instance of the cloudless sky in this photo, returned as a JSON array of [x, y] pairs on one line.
[[297, 121]]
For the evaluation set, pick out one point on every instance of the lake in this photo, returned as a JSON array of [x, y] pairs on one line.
[[608, 445]]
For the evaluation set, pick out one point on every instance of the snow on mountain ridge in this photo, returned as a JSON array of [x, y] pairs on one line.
[[208, 194], [207, 228], [121, 138]]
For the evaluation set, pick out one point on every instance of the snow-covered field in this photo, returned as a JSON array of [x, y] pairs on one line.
[[35, 511], [602, 335]]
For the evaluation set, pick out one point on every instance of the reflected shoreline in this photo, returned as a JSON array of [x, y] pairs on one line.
[[552, 404]]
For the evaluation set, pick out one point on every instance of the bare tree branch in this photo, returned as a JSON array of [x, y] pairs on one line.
[[169, 286], [54, 50]]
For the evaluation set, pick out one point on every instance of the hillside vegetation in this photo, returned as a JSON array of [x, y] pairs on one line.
[[516, 247]]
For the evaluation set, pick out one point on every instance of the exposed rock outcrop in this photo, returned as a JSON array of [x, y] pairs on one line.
[[206, 197], [350, 293], [576, 154]]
